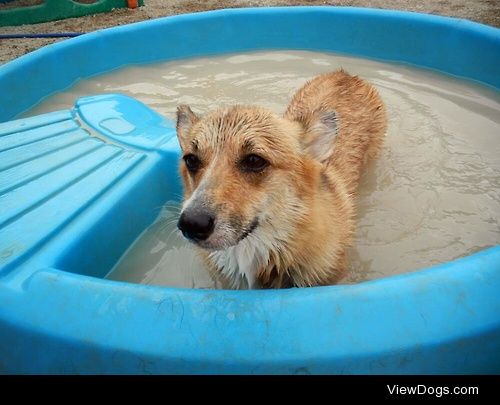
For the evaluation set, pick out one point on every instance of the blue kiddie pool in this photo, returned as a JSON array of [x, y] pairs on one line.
[[78, 186]]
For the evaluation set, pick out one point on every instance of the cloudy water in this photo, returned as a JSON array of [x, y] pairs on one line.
[[433, 196]]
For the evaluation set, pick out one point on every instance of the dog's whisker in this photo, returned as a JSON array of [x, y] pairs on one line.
[[173, 233], [166, 226]]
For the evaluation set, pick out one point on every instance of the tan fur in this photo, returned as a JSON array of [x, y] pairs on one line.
[[362, 120], [304, 200]]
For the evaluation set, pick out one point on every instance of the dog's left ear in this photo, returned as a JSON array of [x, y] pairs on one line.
[[321, 133], [186, 118]]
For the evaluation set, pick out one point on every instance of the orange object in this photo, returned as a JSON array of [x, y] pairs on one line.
[[132, 3]]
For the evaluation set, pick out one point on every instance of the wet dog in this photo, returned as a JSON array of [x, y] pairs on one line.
[[269, 199]]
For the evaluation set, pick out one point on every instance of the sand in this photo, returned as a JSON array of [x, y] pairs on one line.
[[483, 11]]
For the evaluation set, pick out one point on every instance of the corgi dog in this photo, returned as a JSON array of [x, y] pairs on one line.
[[269, 200]]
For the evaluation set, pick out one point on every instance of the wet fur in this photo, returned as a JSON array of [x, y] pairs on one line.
[[304, 201]]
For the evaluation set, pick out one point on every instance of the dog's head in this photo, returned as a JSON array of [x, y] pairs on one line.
[[243, 168]]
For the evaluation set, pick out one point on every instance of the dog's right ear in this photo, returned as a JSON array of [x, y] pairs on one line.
[[186, 118], [320, 136]]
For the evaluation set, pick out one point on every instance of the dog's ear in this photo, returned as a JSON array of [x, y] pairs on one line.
[[185, 120], [320, 134]]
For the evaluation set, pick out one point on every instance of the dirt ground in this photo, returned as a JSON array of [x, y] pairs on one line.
[[483, 11]]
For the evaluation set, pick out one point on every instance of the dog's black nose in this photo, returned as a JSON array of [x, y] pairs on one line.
[[196, 225]]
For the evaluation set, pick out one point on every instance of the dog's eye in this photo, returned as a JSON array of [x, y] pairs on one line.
[[253, 163], [193, 163]]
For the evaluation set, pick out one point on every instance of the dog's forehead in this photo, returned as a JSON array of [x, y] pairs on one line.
[[237, 125]]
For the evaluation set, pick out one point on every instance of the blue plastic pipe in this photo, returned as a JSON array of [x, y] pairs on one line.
[[47, 35]]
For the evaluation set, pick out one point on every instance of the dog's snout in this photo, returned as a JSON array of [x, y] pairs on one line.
[[197, 225]]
